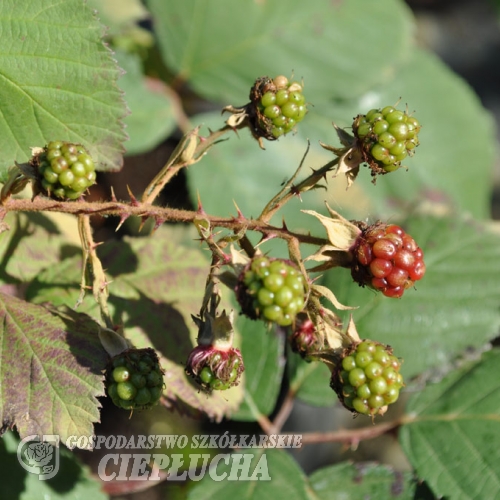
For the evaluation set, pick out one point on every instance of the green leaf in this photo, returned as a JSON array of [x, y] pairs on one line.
[[157, 284], [310, 381], [454, 306], [340, 49], [58, 81], [151, 119], [50, 370], [262, 352], [347, 481], [32, 244], [73, 481], [286, 478], [452, 436]]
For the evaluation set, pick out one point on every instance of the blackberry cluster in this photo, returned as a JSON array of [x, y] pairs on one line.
[[386, 136], [134, 379], [271, 289], [368, 378], [280, 105], [387, 259], [65, 170]]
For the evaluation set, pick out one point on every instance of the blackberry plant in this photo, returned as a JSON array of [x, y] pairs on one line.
[[201, 284]]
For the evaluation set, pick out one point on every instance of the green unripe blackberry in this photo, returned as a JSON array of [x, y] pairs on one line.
[[215, 369], [367, 379], [386, 137], [65, 170], [272, 290], [277, 106], [134, 379]]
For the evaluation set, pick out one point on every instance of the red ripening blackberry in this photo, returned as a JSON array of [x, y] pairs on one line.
[[387, 259]]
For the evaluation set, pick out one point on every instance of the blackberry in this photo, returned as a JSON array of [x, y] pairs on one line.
[[65, 170], [277, 106], [215, 368], [134, 379], [272, 290], [367, 379], [387, 259], [386, 137], [304, 339]]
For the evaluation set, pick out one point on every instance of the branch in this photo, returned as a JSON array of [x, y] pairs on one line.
[[160, 214], [351, 436]]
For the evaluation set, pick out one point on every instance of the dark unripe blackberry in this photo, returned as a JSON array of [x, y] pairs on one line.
[[367, 379], [277, 106], [272, 290], [215, 368], [65, 170], [304, 340], [387, 259], [134, 379], [386, 137]]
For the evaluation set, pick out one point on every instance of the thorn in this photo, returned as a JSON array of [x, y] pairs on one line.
[[105, 284], [265, 238], [158, 222], [95, 245], [113, 197], [241, 217], [296, 192], [323, 175], [133, 199], [284, 226], [123, 218], [144, 218], [200, 207]]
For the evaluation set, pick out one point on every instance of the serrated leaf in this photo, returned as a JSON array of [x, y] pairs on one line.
[[347, 481], [221, 48], [58, 82], [262, 351], [286, 478], [455, 305], [452, 437], [151, 118], [50, 370], [73, 481]]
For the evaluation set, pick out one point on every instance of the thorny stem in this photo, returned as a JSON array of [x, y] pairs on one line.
[[187, 152], [353, 436], [99, 281], [289, 191], [138, 209]]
